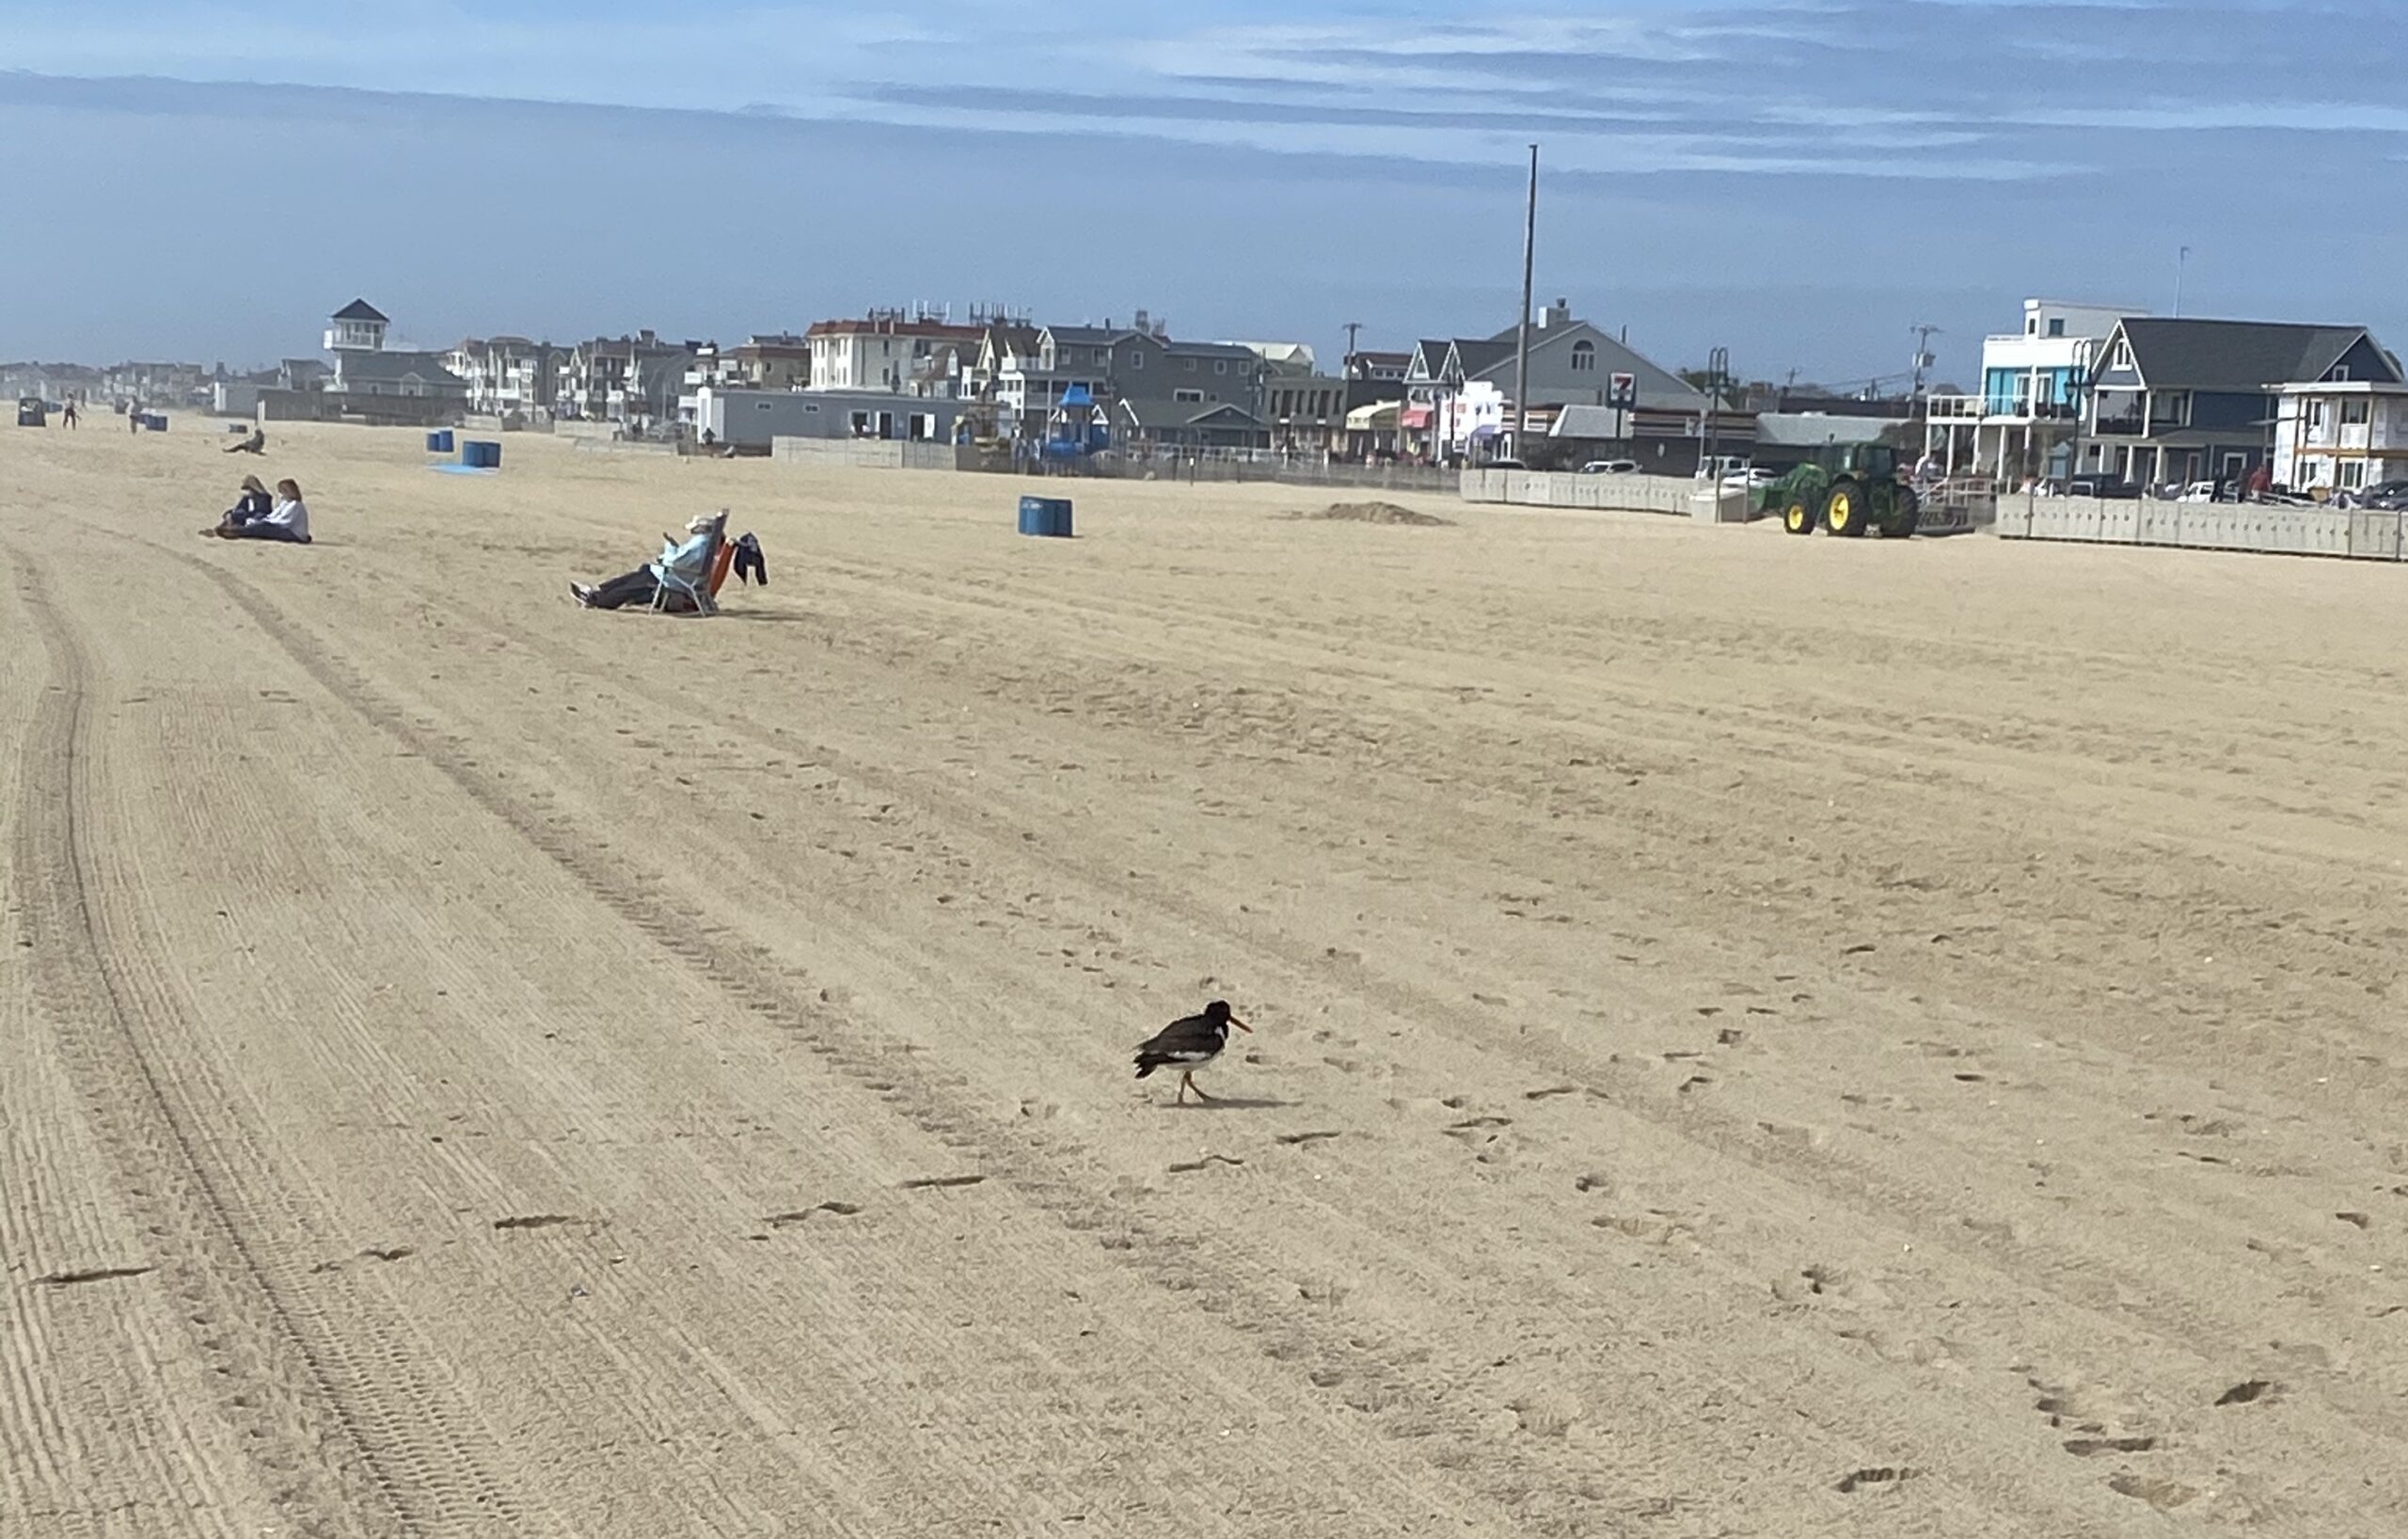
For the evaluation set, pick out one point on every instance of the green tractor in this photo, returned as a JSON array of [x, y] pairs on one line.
[[1848, 489]]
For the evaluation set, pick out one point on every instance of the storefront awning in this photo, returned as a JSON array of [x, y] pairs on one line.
[[1416, 417], [1376, 417]]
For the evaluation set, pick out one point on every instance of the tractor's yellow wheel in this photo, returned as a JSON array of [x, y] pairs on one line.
[[1844, 514], [1798, 517]]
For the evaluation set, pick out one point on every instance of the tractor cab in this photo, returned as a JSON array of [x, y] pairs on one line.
[[1864, 461]]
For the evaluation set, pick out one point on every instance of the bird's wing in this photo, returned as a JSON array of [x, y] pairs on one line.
[[1191, 1040]]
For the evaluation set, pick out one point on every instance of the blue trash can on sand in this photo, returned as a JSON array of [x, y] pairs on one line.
[[1046, 517], [479, 455], [439, 443]]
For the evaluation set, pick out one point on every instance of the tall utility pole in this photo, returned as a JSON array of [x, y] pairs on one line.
[[1352, 329], [1924, 335], [1522, 345], [2182, 261]]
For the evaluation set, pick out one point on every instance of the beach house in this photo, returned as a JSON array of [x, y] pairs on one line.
[[1586, 386], [2173, 401], [2023, 420], [2340, 436]]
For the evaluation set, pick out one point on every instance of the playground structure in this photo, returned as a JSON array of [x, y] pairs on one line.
[[1847, 488], [1075, 432]]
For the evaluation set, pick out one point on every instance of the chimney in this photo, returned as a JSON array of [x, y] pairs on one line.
[[1557, 314]]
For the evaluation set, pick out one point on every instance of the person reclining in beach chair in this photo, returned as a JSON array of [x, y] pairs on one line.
[[682, 579]]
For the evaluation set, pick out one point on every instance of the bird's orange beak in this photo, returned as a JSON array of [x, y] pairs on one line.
[[1241, 1025]]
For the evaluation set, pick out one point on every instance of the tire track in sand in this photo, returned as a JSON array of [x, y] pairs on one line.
[[1396, 1382], [350, 1435]]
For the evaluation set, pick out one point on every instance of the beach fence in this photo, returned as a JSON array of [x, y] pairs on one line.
[[2360, 533], [1684, 496], [868, 453]]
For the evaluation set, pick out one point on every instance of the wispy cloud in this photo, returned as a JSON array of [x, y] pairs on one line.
[[1799, 173], [1913, 89]]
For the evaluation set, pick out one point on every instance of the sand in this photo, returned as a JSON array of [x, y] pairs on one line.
[[1752, 1035], [1375, 513]]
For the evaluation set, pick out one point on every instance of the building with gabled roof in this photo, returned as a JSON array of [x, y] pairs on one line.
[[2173, 401]]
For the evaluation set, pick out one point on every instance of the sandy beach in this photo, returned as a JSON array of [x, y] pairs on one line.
[[1752, 1035]]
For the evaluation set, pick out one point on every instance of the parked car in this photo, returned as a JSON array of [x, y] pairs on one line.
[[1748, 478], [1504, 464], [1610, 468], [2114, 489], [1721, 465], [2383, 496]]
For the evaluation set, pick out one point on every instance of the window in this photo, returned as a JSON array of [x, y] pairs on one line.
[[2057, 326], [1191, 366], [2341, 375], [2351, 474], [1188, 397], [1137, 358], [2353, 411], [1584, 358], [2123, 358], [2315, 417]]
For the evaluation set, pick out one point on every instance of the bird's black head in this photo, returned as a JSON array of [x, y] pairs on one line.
[[1218, 1013]]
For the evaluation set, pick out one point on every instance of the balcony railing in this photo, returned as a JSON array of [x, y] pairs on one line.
[[2122, 425]]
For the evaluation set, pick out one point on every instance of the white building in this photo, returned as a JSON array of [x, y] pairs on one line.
[[2340, 435], [889, 351], [2025, 421], [507, 376]]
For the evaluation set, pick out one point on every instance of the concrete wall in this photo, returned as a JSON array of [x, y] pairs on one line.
[[2206, 526], [1682, 496], [885, 455]]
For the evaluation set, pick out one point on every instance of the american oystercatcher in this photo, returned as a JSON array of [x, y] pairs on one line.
[[1188, 1044]]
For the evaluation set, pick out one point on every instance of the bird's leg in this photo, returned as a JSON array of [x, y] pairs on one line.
[[1180, 1099], [1200, 1095]]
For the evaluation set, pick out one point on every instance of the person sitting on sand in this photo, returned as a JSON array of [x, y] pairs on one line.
[[255, 444], [643, 586], [286, 519], [253, 505]]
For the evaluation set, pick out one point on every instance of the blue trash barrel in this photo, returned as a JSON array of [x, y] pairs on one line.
[[1049, 516], [156, 422], [480, 454], [439, 443]]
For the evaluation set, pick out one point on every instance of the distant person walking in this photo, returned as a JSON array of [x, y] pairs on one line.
[[133, 417], [2261, 481], [67, 417]]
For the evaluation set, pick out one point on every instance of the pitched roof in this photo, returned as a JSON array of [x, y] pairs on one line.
[[427, 366], [1154, 411], [359, 309], [2239, 357], [1476, 357]]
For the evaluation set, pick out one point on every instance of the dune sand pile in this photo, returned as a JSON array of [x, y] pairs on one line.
[[1374, 513]]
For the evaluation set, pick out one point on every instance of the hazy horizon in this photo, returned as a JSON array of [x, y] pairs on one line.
[[1801, 183]]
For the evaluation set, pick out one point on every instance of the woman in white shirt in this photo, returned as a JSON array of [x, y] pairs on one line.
[[288, 520]]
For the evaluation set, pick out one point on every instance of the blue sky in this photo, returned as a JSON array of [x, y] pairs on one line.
[[1798, 180]]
